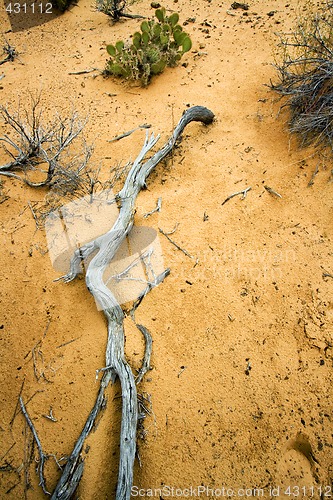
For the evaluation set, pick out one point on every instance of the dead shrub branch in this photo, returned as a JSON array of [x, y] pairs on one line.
[[115, 362], [29, 144]]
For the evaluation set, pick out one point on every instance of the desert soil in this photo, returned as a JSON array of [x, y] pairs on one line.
[[241, 369]]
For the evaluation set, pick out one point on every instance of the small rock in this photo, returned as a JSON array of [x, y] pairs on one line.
[[238, 5]]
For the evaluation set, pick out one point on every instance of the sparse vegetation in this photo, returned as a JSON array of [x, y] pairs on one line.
[[306, 77], [160, 43], [43, 151], [8, 52], [115, 9], [50, 154]]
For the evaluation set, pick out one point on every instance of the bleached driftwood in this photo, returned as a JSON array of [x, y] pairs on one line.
[[116, 365]]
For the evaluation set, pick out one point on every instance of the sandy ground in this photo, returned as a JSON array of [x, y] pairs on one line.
[[241, 379]]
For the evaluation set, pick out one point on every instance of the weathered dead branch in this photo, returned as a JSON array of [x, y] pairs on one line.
[[116, 364]]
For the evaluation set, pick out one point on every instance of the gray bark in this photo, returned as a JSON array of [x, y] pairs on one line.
[[106, 247]]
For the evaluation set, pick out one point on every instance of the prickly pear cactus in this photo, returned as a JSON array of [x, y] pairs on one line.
[[160, 43]]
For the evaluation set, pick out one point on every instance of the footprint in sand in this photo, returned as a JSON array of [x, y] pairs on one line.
[[297, 470]]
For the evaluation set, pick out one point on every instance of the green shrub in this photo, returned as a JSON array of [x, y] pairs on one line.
[[160, 43]]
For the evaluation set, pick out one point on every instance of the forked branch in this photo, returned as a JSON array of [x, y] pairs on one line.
[[116, 364]]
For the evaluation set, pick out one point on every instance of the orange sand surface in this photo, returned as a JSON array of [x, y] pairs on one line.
[[241, 368]]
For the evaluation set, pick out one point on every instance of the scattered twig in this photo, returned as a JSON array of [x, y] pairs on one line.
[[311, 181], [50, 416], [33, 214], [3, 198], [17, 404], [12, 446], [66, 343], [7, 468], [126, 134], [2, 76], [156, 209], [182, 368], [243, 193], [175, 244], [37, 354], [271, 191], [172, 230], [326, 274], [83, 71], [42, 456]]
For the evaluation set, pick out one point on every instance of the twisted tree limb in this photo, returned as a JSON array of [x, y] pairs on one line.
[[116, 364]]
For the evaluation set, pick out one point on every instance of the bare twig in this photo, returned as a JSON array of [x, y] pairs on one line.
[[12, 446], [66, 343], [42, 456], [33, 214], [50, 416], [243, 193], [156, 209], [126, 134], [28, 458], [315, 172], [83, 71], [326, 274], [175, 244], [17, 404], [271, 191], [144, 408]]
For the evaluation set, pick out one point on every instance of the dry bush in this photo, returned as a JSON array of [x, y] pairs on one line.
[[305, 77], [52, 155]]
